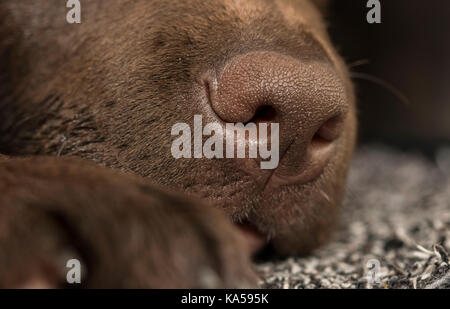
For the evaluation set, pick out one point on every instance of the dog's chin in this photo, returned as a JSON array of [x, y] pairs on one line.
[[294, 232], [290, 220]]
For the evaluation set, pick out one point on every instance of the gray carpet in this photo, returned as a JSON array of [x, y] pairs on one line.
[[396, 216]]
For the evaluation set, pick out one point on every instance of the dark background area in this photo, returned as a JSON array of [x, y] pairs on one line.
[[410, 50]]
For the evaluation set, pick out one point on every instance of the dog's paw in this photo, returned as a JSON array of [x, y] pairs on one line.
[[124, 232]]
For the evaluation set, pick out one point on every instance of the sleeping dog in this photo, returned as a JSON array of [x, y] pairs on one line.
[[86, 118]]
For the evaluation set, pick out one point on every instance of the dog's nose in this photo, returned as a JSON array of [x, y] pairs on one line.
[[306, 97]]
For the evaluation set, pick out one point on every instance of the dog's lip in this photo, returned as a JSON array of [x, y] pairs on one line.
[[277, 179], [273, 179], [282, 175], [256, 240]]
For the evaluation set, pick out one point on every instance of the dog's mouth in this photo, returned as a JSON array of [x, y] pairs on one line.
[[258, 243]]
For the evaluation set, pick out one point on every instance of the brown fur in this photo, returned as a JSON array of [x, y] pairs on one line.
[[109, 90]]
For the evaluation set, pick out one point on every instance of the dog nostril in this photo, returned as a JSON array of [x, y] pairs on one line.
[[329, 131], [264, 114], [322, 142]]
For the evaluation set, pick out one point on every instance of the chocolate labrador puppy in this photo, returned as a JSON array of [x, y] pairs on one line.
[[86, 113]]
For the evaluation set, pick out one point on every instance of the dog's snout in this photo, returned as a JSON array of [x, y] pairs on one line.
[[306, 98]]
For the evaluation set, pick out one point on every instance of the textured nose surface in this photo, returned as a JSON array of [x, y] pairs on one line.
[[305, 97]]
